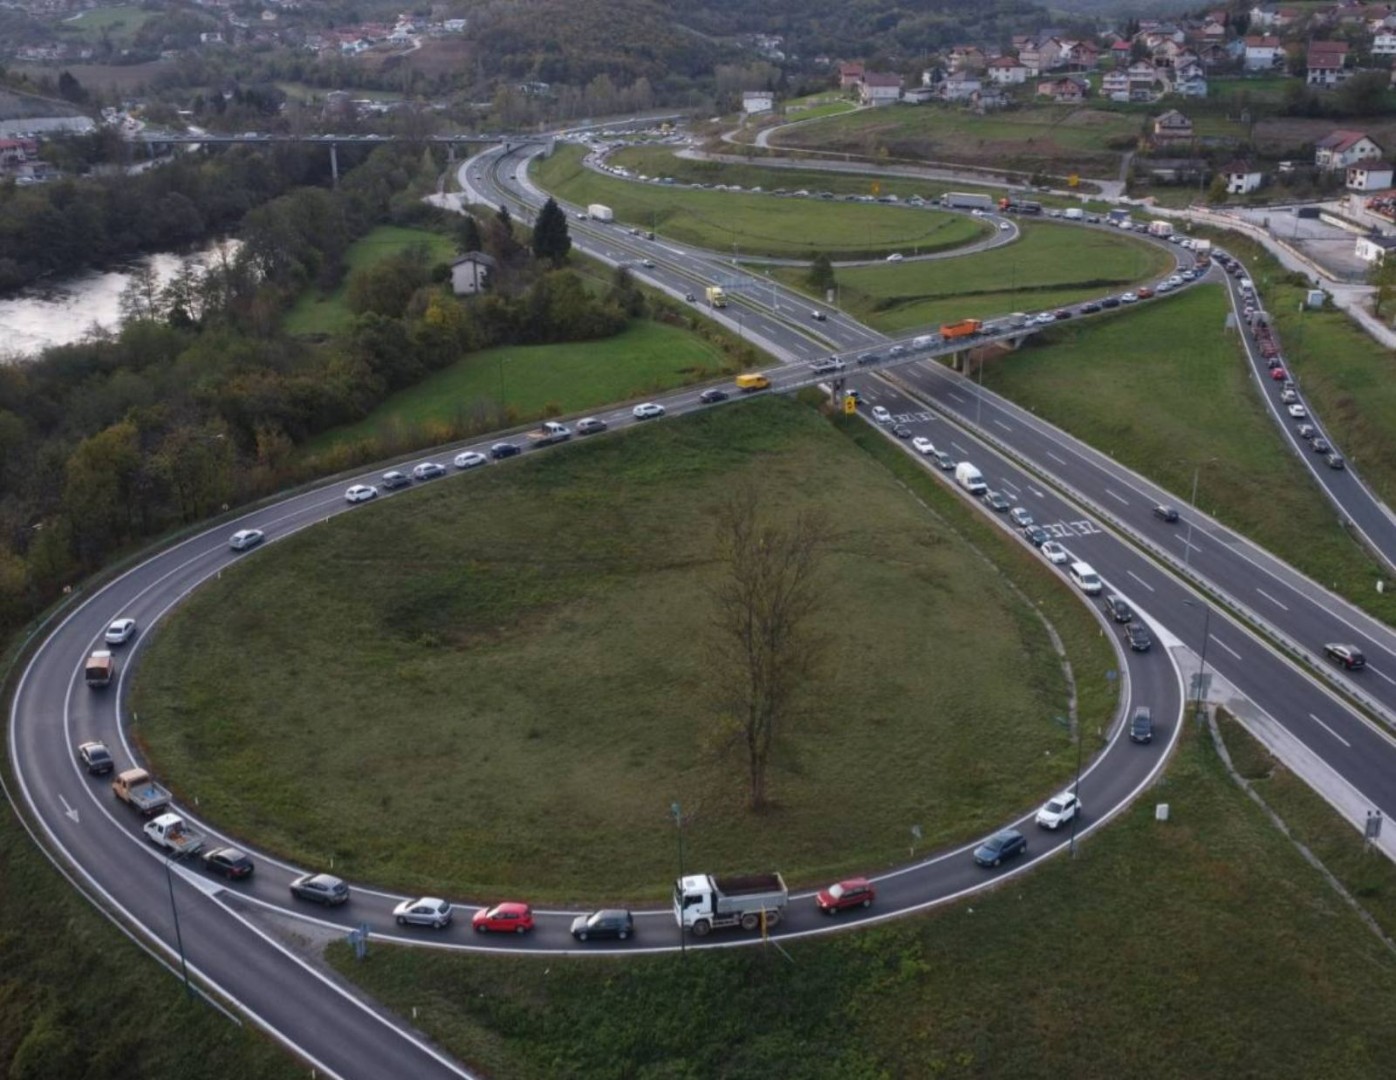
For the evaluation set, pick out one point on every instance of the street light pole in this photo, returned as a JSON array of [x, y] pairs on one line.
[[1199, 708], [179, 940], [1080, 743], [677, 811]]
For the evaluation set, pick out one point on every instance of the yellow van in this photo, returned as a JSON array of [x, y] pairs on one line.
[[752, 381]]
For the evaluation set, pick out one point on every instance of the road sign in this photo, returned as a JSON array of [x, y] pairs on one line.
[[1074, 180], [1372, 830], [850, 407]]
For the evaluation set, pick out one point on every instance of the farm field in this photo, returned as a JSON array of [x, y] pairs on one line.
[[530, 639], [757, 224], [1051, 265]]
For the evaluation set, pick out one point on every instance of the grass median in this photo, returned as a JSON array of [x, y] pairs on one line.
[[757, 224], [497, 684], [1196, 947]]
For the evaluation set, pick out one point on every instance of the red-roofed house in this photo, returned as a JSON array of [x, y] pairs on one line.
[[1064, 91], [1263, 53], [880, 89], [850, 75], [1007, 70], [1242, 177], [1120, 52], [1344, 148], [1327, 63]]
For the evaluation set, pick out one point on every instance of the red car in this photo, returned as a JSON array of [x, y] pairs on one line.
[[855, 892], [503, 919], [1278, 374], [1145, 293]]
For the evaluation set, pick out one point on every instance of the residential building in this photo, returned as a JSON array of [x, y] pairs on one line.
[[1242, 177], [1263, 16], [918, 95], [1171, 127], [1041, 56], [1007, 71], [1384, 43], [1369, 176], [454, 26], [1114, 85], [758, 101], [1064, 91], [1372, 249], [961, 86], [1191, 85], [1327, 63], [850, 75], [470, 274], [967, 58], [1263, 53], [1079, 55], [880, 89], [1344, 148], [1120, 52]]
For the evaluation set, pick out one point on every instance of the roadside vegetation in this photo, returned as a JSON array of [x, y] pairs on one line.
[[1165, 390], [756, 224], [1195, 946], [526, 645], [1048, 266]]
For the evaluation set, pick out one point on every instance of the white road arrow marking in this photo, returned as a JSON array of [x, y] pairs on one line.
[[68, 810]]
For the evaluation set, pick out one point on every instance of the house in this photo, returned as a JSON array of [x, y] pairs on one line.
[[470, 273], [1242, 177], [1384, 43], [1326, 63], [1344, 148], [1372, 249], [967, 58], [879, 89], [1007, 71], [1263, 53], [1146, 82], [1191, 85], [1040, 56], [758, 101], [1064, 91], [1171, 127], [988, 99], [211, 37], [1079, 55], [1263, 16], [961, 86], [1174, 170], [454, 26], [1369, 176], [850, 75], [1120, 52], [1114, 85], [918, 95], [1211, 54]]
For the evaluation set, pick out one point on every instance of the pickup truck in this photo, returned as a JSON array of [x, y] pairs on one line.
[[703, 903], [170, 833], [134, 786], [551, 432]]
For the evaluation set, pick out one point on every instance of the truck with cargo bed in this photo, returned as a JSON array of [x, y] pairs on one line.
[[170, 833], [962, 329], [716, 297], [600, 212], [551, 432], [752, 901], [134, 786], [964, 200], [100, 668]]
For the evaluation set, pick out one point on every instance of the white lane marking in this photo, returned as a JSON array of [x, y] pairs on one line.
[[960, 448], [1272, 599], [1001, 424], [1059, 460], [1010, 486], [1218, 641], [952, 394], [1141, 581], [1036, 492], [1330, 731], [1118, 498], [1383, 674]]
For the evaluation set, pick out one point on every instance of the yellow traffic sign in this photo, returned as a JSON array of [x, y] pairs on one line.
[[876, 188], [850, 407], [1074, 180]]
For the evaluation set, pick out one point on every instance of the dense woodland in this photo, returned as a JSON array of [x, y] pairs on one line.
[[201, 401]]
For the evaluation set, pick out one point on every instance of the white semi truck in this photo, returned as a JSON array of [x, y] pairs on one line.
[[600, 212], [703, 903]]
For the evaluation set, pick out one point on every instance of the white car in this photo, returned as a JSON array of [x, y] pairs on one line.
[[427, 469], [1298, 411], [428, 911], [881, 415], [1129, 298], [246, 538], [896, 256], [361, 493], [824, 367], [647, 411], [470, 459], [120, 631], [923, 445], [1055, 552], [1045, 317], [1058, 810]]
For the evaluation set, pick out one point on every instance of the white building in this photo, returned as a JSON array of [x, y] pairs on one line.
[[1344, 148], [1263, 53], [1384, 43], [1007, 71], [1242, 178], [880, 89], [1369, 176], [1373, 249], [758, 101], [470, 273]]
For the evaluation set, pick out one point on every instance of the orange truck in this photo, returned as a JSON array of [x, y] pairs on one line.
[[963, 328]]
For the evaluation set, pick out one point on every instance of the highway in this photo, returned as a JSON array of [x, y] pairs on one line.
[[221, 924]]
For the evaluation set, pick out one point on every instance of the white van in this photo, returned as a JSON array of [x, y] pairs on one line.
[[1086, 579]]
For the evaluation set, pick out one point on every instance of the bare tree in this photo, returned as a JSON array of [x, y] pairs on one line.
[[763, 638]]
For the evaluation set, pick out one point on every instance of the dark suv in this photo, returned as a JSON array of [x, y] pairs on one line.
[[1141, 727], [1118, 608], [1349, 656], [1137, 636]]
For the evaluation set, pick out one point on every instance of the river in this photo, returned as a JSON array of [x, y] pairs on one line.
[[63, 312]]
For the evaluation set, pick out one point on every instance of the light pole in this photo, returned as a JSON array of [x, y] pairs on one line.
[[1200, 709], [676, 811], [501, 383], [1080, 743], [1187, 542], [179, 940]]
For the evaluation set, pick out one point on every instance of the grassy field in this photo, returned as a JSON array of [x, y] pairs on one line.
[[1050, 265], [1200, 947], [1056, 138], [120, 24], [1164, 390], [646, 358], [77, 999], [327, 313], [527, 645], [757, 224]]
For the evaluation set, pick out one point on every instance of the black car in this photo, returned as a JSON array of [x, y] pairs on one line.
[[1137, 637], [869, 358], [95, 757], [1110, 302], [1141, 727], [228, 861], [996, 501], [901, 431], [1166, 513], [1061, 313], [1335, 461], [711, 397], [1037, 535], [395, 480], [1118, 608], [1000, 846], [503, 450], [1090, 309], [1349, 656], [320, 889], [1320, 446], [607, 923]]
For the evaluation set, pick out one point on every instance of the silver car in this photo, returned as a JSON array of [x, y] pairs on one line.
[[428, 911]]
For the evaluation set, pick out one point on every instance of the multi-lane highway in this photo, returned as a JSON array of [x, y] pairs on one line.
[[1085, 499]]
